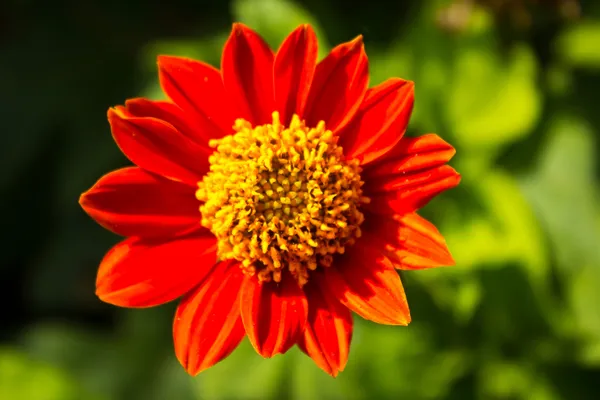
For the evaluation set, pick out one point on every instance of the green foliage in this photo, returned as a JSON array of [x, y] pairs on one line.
[[492, 102], [22, 378], [578, 45]]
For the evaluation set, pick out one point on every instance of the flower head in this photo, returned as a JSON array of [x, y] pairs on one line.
[[274, 196]]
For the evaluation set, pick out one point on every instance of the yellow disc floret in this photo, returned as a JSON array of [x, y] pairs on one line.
[[281, 198]]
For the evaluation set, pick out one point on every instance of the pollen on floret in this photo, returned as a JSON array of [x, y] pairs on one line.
[[281, 198]]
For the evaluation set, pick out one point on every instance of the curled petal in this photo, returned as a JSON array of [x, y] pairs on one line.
[[293, 71], [274, 314], [365, 281], [328, 330], [247, 69], [157, 146], [411, 242], [380, 122], [148, 272], [411, 155], [339, 86], [133, 202], [208, 326], [198, 89], [170, 113], [406, 193]]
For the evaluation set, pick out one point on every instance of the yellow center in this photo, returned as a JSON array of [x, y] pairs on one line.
[[278, 198]]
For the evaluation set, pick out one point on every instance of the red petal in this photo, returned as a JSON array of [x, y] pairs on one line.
[[365, 281], [145, 273], [133, 202], [247, 69], [411, 155], [294, 68], [208, 326], [406, 193], [339, 86], [380, 122], [411, 241], [198, 89], [328, 330], [170, 113], [156, 146], [274, 314]]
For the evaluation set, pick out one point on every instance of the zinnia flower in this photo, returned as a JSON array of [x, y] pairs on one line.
[[275, 196]]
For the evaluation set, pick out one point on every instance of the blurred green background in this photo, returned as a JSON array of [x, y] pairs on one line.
[[512, 84]]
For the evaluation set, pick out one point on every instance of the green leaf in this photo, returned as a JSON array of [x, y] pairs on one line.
[[171, 382], [403, 361], [497, 228], [504, 380], [310, 382], [585, 300], [118, 365], [578, 45], [491, 102], [245, 375], [467, 297], [86, 355], [463, 86], [563, 192], [22, 378]]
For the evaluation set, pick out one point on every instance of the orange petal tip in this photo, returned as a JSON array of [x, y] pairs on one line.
[[239, 28], [81, 199], [116, 112], [357, 41], [306, 28], [161, 59]]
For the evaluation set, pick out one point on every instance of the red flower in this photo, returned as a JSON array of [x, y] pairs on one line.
[[275, 196]]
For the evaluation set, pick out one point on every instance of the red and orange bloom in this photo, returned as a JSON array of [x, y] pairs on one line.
[[275, 196]]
